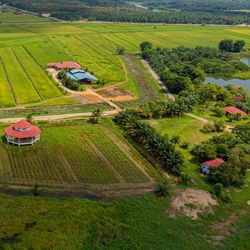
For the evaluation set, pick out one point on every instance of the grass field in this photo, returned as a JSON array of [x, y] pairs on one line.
[[93, 45], [11, 17], [189, 130], [74, 155], [131, 223]]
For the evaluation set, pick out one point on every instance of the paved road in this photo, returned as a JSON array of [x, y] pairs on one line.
[[156, 77]]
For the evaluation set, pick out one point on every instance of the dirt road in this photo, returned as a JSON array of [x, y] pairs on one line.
[[60, 117], [228, 128], [156, 77]]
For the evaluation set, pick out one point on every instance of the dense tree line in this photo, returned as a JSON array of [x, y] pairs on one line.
[[185, 68], [154, 144], [122, 11]]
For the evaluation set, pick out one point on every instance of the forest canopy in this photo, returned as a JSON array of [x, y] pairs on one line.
[[151, 11]]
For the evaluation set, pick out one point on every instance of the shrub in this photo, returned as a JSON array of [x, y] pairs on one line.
[[219, 112], [162, 190]]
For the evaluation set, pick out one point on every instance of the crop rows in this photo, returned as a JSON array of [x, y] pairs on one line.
[[88, 58], [69, 155], [44, 86], [123, 165], [22, 86], [6, 97]]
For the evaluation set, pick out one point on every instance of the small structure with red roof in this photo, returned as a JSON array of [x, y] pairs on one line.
[[64, 65], [22, 133], [235, 111], [207, 165]]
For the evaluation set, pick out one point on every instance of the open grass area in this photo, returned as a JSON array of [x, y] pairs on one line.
[[12, 17], [93, 46], [74, 155], [132, 223], [189, 130]]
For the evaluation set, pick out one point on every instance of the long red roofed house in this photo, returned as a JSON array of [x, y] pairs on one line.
[[234, 111], [64, 65], [22, 133], [207, 165]]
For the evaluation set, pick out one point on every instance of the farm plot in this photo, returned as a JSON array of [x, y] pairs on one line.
[[117, 157], [6, 97], [103, 68], [22, 86], [72, 156], [46, 51], [114, 37], [43, 85]]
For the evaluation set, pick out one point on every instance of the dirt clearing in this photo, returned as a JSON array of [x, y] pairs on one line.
[[115, 93], [192, 203]]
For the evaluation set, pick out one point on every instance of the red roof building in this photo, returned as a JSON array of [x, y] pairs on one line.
[[22, 133], [205, 166], [234, 111], [64, 65]]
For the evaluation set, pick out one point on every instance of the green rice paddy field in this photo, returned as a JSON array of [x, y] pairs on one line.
[[26, 49], [74, 156]]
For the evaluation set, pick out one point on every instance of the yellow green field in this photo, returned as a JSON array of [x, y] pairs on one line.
[[26, 49]]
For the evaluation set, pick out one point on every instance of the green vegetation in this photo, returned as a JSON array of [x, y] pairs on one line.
[[94, 47], [9, 16], [72, 155], [144, 11], [149, 140]]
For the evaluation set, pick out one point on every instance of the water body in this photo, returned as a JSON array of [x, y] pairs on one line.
[[239, 82], [246, 61]]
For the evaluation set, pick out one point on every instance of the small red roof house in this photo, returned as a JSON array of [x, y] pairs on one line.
[[22, 133], [64, 65], [234, 111], [205, 166]]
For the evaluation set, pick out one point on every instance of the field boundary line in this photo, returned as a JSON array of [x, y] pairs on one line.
[[67, 168], [103, 158], [122, 82], [126, 150], [117, 36], [123, 39], [9, 84], [76, 37], [26, 74]]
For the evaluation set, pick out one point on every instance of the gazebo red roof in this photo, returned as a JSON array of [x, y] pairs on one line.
[[65, 65], [213, 163], [233, 110], [22, 129]]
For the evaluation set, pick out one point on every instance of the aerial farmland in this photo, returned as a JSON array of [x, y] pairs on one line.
[[117, 160]]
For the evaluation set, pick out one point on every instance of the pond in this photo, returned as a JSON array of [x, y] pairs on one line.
[[239, 82], [246, 61]]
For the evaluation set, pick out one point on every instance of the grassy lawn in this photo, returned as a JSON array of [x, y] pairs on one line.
[[209, 115], [189, 130], [73, 155]]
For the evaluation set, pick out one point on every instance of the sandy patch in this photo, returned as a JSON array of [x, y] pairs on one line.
[[115, 93], [88, 98], [192, 203], [223, 228]]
